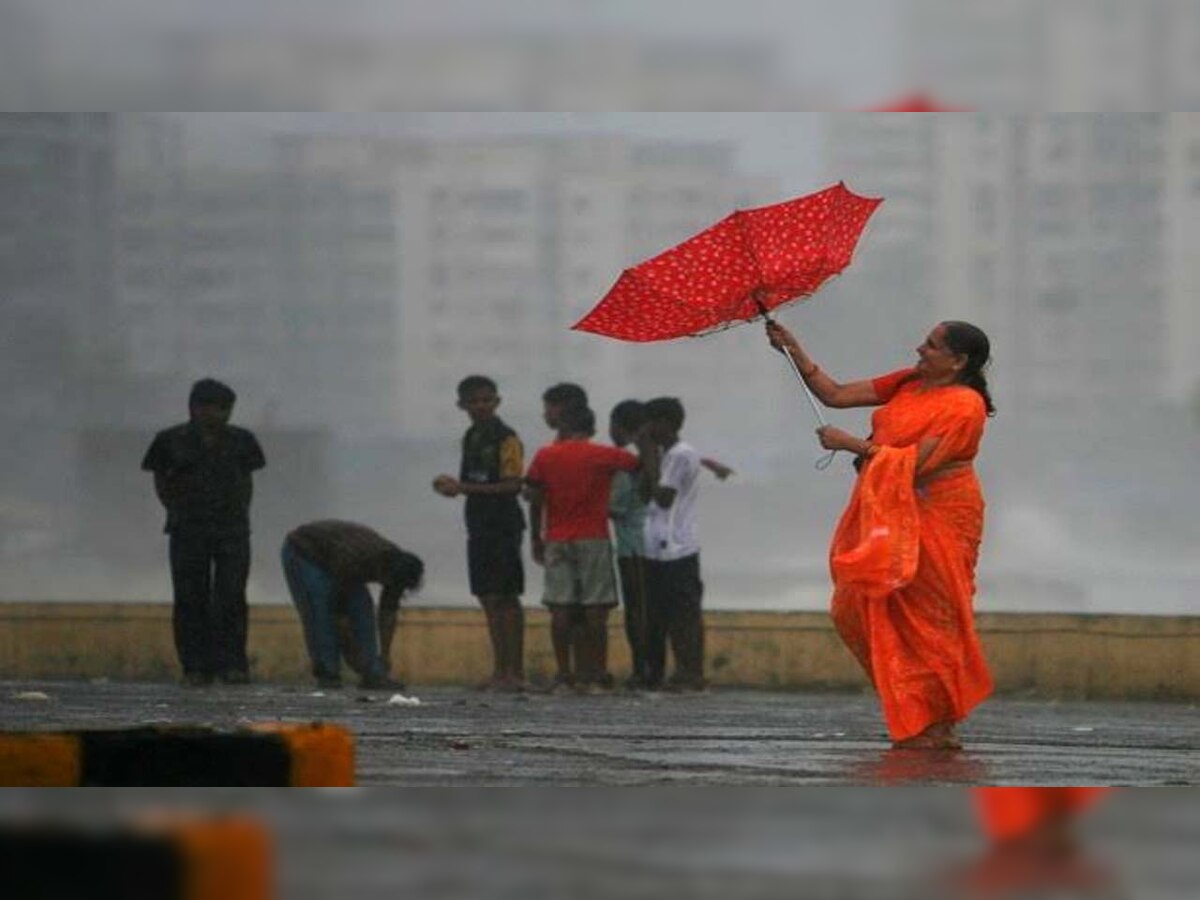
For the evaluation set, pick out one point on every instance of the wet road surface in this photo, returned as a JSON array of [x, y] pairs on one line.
[[459, 738]]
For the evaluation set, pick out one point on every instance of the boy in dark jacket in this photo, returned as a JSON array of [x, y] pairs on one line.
[[490, 479]]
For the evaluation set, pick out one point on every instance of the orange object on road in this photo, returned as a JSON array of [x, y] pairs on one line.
[[1009, 813]]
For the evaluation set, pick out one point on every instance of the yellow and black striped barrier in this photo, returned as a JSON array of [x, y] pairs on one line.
[[265, 755], [222, 858]]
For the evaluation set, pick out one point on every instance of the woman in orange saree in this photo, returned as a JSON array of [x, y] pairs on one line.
[[903, 555]]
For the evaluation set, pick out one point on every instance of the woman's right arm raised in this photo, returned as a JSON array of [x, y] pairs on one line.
[[828, 391]]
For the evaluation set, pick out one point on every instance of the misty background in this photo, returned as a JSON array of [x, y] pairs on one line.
[[343, 270]]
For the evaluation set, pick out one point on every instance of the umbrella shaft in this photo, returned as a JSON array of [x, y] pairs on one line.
[[812, 401]]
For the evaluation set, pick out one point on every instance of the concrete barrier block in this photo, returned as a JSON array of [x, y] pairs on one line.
[[224, 858], [269, 755]]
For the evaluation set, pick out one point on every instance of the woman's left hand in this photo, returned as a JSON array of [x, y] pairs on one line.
[[835, 439]]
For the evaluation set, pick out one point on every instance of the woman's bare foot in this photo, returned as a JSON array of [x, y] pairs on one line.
[[938, 736]]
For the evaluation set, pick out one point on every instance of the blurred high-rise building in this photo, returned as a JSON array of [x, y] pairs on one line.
[[284, 287], [1028, 55], [57, 201], [1181, 219], [503, 243], [388, 69], [894, 157], [347, 281], [1063, 235], [57, 306]]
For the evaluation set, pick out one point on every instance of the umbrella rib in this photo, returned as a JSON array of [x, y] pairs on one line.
[[740, 217]]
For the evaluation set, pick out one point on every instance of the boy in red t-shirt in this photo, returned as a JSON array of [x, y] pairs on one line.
[[571, 480]]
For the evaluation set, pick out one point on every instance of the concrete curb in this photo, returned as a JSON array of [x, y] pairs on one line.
[[1041, 656]]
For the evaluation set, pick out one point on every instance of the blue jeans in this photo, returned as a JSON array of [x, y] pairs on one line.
[[313, 592]]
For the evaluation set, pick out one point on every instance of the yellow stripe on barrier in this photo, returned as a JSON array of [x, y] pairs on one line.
[[321, 755], [40, 760]]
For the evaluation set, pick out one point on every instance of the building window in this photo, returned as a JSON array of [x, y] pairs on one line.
[[497, 200]]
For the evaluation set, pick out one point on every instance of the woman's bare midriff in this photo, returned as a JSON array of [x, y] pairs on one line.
[[942, 472]]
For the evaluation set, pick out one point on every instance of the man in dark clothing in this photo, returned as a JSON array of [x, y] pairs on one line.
[[328, 565], [202, 475]]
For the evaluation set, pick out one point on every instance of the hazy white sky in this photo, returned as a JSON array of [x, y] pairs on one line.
[[848, 51], [851, 46]]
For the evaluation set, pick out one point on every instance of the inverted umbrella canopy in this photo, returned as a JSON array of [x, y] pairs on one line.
[[749, 263]]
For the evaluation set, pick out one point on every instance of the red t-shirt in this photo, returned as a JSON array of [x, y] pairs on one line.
[[576, 476], [887, 386]]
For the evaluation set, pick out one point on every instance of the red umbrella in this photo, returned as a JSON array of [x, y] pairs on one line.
[[744, 266], [739, 269]]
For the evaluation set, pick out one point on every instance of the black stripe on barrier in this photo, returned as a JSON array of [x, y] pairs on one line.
[[183, 757], [48, 863]]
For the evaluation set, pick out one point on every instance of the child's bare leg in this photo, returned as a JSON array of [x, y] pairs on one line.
[[493, 611], [512, 620], [561, 631], [579, 642], [597, 645]]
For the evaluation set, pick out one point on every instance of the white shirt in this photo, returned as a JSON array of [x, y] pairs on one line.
[[671, 533]]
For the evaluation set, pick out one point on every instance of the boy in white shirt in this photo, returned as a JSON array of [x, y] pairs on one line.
[[674, 588]]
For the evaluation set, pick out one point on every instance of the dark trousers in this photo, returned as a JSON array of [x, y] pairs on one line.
[[209, 576], [633, 596], [673, 594]]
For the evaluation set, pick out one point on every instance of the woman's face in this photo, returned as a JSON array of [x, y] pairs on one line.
[[936, 361]]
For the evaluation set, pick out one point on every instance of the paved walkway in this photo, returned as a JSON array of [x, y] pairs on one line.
[[657, 842], [459, 738]]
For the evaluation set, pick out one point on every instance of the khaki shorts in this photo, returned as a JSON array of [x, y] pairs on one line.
[[580, 573]]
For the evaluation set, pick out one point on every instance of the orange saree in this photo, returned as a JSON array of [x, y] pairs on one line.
[[903, 559]]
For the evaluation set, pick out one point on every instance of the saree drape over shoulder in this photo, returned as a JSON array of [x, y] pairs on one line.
[[903, 558]]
